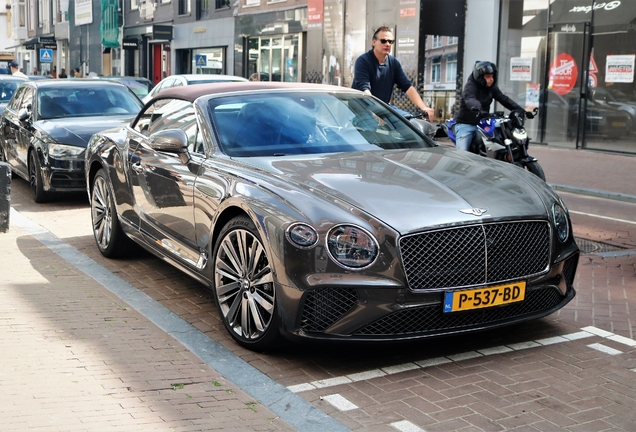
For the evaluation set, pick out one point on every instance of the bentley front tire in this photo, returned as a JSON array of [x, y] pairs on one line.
[[244, 286]]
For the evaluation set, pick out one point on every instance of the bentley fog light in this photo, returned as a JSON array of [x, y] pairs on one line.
[[61, 151], [560, 219], [302, 235], [351, 246]]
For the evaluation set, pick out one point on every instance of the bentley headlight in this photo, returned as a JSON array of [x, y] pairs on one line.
[[351, 246], [560, 219], [519, 134], [62, 151], [302, 235]]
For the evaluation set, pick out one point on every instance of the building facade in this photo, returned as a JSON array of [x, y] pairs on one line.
[[571, 59]]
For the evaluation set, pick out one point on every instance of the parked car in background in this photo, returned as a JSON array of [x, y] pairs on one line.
[[615, 99], [47, 124], [317, 212], [8, 85], [184, 80], [139, 85], [601, 120]]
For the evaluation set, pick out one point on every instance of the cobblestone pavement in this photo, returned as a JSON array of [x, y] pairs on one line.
[[574, 370]]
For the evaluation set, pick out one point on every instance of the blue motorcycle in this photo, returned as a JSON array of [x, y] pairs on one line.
[[502, 137]]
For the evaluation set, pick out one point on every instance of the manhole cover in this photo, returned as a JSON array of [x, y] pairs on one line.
[[589, 246]]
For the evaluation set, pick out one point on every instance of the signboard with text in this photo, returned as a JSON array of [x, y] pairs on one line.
[[619, 68]]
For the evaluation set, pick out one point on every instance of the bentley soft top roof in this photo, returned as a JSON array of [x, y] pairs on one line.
[[195, 91]]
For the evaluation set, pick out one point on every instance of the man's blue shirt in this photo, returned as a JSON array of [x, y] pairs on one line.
[[378, 78]]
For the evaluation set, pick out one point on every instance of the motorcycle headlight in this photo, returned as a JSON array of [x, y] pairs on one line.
[[519, 134], [62, 151], [302, 235], [560, 219], [352, 247]]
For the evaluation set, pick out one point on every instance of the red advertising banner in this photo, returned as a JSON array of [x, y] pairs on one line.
[[563, 74], [315, 9]]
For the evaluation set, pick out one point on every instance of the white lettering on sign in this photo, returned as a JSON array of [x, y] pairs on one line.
[[565, 68], [587, 9]]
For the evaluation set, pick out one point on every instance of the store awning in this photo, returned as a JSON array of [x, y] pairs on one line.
[[435, 58], [617, 16], [30, 44]]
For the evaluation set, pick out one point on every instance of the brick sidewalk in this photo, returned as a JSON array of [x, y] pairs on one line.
[[75, 357]]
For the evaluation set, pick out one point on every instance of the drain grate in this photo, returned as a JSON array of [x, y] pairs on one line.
[[589, 246]]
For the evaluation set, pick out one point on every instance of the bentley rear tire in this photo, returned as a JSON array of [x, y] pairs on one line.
[[244, 286], [110, 238]]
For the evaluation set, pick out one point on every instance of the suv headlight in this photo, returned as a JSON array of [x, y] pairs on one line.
[[62, 151], [560, 219], [352, 247]]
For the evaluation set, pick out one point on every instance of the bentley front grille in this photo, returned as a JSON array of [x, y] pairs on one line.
[[476, 254], [324, 306], [431, 318]]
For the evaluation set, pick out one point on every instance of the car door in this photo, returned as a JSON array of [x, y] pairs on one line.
[[10, 127], [24, 132], [163, 182]]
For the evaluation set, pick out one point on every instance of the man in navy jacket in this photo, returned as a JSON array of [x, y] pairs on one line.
[[376, 72]]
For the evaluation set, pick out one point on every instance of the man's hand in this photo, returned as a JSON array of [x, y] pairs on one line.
[[367, 92]]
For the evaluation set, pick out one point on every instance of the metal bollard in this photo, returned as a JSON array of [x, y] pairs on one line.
[[5, 196]]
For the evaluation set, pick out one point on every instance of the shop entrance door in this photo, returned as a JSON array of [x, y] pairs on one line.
[[565, 95]]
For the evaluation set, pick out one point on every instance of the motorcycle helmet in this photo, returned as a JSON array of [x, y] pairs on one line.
[[482, 68]]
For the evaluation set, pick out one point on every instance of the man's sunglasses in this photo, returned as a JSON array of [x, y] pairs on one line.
[[383, 41]]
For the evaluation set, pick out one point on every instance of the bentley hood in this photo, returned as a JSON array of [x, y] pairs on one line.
[[412, 189], [77, 131]]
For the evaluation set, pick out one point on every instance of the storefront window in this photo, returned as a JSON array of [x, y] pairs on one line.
[[274, 58], [554, 51]]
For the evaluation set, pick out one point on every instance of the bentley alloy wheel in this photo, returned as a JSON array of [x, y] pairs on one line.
[[109, 237], [244, 288]]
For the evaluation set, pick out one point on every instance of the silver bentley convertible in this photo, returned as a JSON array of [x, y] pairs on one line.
[[319, 212]]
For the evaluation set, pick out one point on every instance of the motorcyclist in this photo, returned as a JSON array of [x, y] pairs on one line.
[[479, 91]]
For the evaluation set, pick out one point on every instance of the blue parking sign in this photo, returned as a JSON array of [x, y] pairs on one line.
[[46, 55]]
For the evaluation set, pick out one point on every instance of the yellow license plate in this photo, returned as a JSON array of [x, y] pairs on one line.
[[618, 124], [484, 297]]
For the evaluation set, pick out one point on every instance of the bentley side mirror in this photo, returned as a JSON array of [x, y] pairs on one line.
[[170, 140], [23, 114]]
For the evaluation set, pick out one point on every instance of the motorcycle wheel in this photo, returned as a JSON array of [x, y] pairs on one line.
[[536, 169]]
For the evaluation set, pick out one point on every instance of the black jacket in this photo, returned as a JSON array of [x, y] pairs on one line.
[[476, 95]]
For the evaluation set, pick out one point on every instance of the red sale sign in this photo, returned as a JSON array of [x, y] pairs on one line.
[[563, 74]]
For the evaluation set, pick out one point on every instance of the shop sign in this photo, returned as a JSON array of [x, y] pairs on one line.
[[619, 68], [563, 74], [610, 5], [315, 9], [83, 12], [162, 32], [520, 68], [130, 43]]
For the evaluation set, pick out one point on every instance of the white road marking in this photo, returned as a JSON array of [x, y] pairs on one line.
[[406, 426], [605, 349], [340, 403], [423, 364], [603, 217]]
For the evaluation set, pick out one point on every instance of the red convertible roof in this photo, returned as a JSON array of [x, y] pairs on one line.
[[192, 92]]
